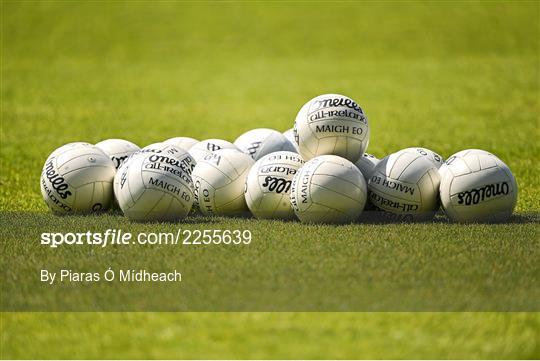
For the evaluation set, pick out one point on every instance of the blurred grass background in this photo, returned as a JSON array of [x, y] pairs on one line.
[[446, 76], [271, 335]]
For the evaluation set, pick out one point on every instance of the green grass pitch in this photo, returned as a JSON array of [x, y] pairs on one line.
[[445, 76]]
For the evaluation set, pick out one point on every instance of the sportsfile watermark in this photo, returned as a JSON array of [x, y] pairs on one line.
[[119, 237], [211, 266], [108, 275]]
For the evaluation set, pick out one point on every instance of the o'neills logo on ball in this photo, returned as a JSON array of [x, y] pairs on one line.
[[276, 184], [477, 195], [53, 198], [167, 160], [334, 102], [337, 108], [57, 181], [181, 169]]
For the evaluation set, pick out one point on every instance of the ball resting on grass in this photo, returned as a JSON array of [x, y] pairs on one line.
[[328, 189], [433, 157], [186, 161], [478, 187], [405, 185], [155, 187], [77, 178], [268, 185], [219, 181], [444, 167]]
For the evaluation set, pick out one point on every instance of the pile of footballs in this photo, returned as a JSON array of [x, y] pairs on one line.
[[317, 172]]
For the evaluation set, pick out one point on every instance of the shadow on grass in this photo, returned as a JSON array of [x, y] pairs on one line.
[[368, 217], [22, 218], [374, 217]]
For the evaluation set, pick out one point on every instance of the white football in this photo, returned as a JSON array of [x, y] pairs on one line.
[[77, 178], [366, 164], [155, 187], [259, 142], [328, 189], [118, 150], [121, 169], [206, 147], [68, 146], [460, 154], [219, 181], [331, 124], [406, 185], [268, 185], [478, 187], [289, 134], [435, 158], [186, 161], [182, 142], [176, 152]]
